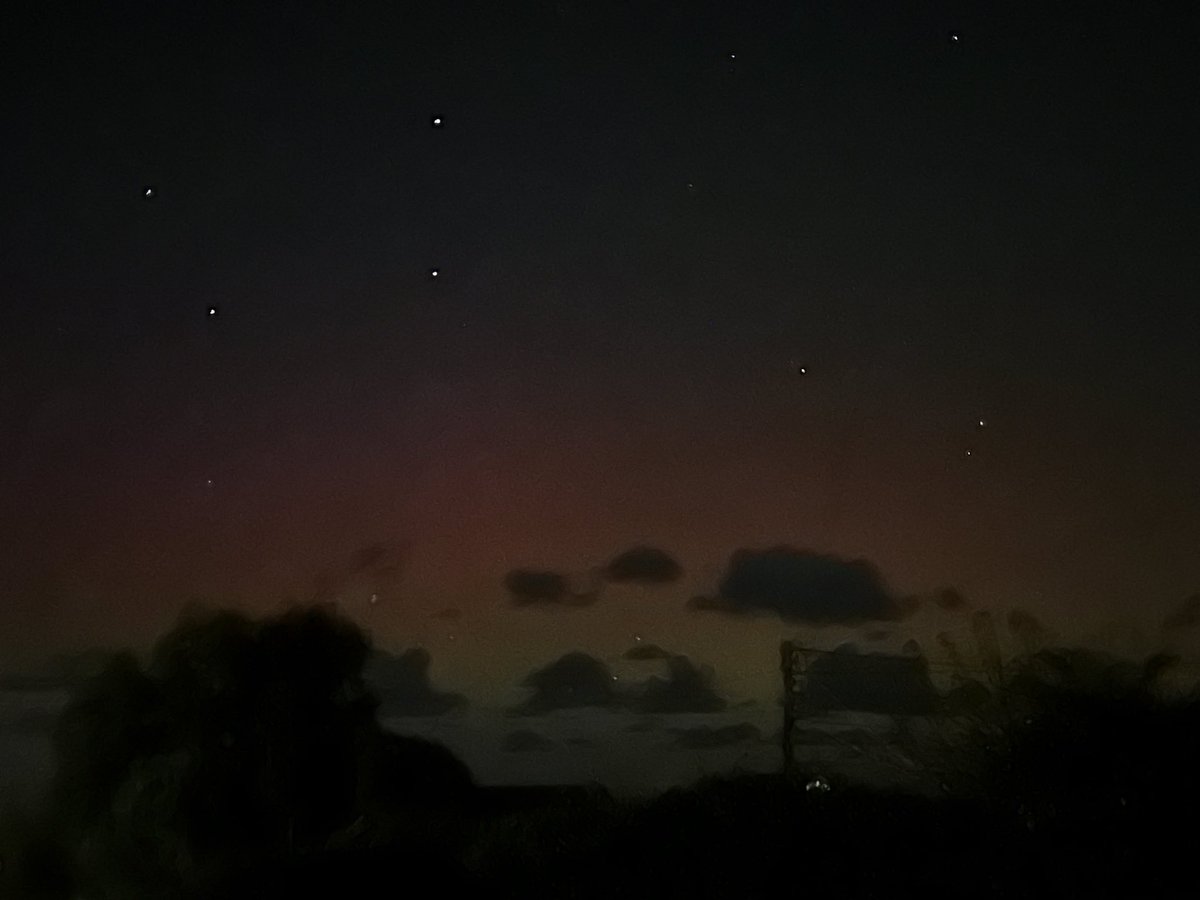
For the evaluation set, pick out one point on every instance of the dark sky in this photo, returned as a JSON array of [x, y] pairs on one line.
[[711, 276]]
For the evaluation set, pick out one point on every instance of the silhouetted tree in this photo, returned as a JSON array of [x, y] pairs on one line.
[[241, 745]]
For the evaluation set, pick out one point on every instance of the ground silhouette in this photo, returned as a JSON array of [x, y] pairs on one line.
[[244, 759]]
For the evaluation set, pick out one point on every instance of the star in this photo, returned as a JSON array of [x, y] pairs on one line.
[[374, 599], [436, 121], [433, 273], [981, 423], [969, 453], [212, 311], [954, 37], [149, 192], [733, 56]]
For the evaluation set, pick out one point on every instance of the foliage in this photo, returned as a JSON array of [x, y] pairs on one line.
[[241, 748]]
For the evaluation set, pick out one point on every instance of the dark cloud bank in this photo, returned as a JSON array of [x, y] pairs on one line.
[[577, 680], [402, 683], [644, 652], [534, 587], [804, 587]]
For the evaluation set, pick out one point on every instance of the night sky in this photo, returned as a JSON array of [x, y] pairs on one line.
[[435, 311]]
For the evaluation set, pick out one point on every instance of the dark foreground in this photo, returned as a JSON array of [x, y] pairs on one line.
[[245, 760], [749, 836]]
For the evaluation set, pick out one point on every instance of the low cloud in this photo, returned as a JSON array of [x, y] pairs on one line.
[[949, 599], [702, 737], [686, 689], [573, 681], [643, 565], [368, 557], [850, 742], [532, 587], [373, 569], [642, 725], [526, 741], [402, 683], [804, 587], [642, 652], [1028, 631], [578, 680]]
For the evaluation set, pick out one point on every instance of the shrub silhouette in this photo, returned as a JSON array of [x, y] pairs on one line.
[[241, 745]]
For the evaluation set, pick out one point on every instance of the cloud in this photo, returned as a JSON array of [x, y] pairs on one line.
[[1187, 615], [852, 741], [643, 565], [642, 725], [703, 737], [402, 683], [578, 680], [371, 569], [870, 682], [686, 689], [802, 586], [1025, 627], [526, 741], [643, 652], [949, 599], [530, 587], [570, 682], [367, 557]]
